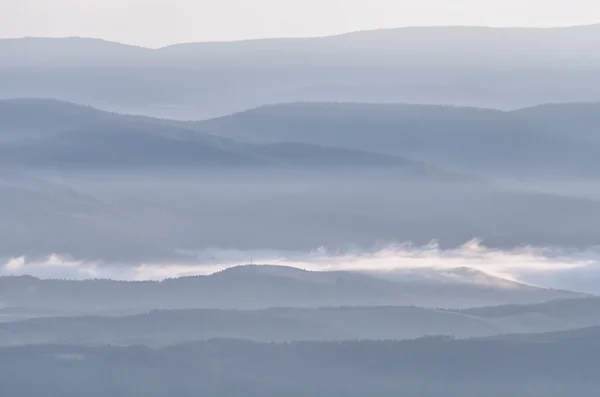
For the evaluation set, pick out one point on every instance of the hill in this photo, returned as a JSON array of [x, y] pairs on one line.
[[162, 328], [578, 335], [166, 327], [46, 133], [390, 177], [58, 134], [394, 173], [472, 66], [251, 287], [577, 313], [553, 140]]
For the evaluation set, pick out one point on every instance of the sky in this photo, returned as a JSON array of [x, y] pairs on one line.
[[155, 23]]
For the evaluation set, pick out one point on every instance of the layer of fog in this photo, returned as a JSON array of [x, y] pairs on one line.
[[168, 225], [547, 267], [340, 210]]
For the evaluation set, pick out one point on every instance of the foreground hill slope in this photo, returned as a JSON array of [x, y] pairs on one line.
[[480, 368]]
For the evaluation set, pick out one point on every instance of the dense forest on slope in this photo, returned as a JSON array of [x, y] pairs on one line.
[[427, 367]]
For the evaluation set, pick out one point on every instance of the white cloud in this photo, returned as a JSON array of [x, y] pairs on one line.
[[15, 264], [54, 266]]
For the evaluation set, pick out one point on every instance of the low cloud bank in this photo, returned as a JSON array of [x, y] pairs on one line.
[[552, 267]]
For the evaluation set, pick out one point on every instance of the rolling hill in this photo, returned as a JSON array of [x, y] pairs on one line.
[[163, 328], [158, 328], [390, 176], [46, 133], [577, 313], [546, 141], [491, 67], [253, 287], [554, 140]]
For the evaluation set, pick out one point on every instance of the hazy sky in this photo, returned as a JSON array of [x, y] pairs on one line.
[[160, 22]]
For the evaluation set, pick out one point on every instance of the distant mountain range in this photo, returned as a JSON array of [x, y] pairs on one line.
[[310, 306], [576, 313], [52, 134], [558, 319], [550, 140], [375, 151], [312, 174], [163, 328], [253, 287], [491, 67]]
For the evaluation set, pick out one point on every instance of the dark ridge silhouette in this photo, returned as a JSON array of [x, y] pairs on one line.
[[427, 367]]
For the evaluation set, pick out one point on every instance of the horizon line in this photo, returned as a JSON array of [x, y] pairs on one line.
[[308, 37]]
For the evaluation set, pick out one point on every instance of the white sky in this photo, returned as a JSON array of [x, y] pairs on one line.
[[155, 23]]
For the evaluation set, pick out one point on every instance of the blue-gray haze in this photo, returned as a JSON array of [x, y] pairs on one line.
[[123, 167]]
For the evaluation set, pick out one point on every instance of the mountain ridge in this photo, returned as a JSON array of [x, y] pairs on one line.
[[51, 133], [539, 140], [493, 65], [255, 286], [335, 35]]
